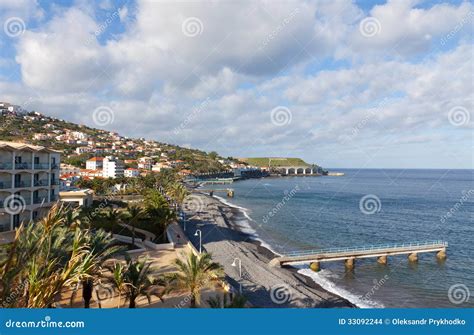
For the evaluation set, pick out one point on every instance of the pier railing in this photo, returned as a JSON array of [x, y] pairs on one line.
[[366, 248]]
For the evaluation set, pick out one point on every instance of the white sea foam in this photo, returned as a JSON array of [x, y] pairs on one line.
[[323, 279], [245, 226]]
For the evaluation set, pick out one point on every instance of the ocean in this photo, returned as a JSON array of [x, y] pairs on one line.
[[370, 207]]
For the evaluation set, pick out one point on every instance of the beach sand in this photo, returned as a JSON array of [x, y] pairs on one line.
[[263, 285]]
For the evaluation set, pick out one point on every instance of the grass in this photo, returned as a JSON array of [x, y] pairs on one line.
[[275, 161]]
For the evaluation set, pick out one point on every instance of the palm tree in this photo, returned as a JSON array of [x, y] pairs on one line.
[[113, 216], [118, 280], [237, 301], [43, 259], [101, 248], [198, 272], [135, 278], [135, 213]]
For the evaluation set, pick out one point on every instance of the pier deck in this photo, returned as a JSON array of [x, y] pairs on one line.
[[379, 251]]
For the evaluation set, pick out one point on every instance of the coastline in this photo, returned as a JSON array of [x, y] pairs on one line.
[[263, 285]]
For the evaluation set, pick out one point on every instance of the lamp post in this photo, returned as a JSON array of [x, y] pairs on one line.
[[184, 221], [199, 233], [234, 263]]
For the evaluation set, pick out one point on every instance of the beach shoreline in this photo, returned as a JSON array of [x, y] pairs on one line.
[[263, 285]]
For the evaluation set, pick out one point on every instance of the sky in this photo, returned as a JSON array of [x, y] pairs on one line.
[[365, 84]]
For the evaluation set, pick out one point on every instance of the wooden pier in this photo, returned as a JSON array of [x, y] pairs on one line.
[[349, 255]]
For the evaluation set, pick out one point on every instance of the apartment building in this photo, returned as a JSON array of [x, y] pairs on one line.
[[95, 163], [112, 167], [29, 182]]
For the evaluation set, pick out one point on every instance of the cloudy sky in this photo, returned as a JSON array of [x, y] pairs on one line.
[[339, 83]]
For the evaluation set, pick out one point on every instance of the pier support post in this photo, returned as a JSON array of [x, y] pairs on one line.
[[382, 260], [413, 257], [349, 263], [315, 266], [441, 255]]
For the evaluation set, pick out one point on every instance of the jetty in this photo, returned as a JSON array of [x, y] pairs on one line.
[[350, 254]]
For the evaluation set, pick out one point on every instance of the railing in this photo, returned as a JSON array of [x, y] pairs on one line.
[[54, 166], [22, 183], [40, 200], [42, 166], [6, 166], [21, 200], [43, 182], [23, 166], [5, 184], [366, 248]]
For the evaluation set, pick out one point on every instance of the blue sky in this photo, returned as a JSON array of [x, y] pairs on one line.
[[339, 83]]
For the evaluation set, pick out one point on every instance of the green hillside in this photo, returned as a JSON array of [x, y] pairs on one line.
[[274, 161]]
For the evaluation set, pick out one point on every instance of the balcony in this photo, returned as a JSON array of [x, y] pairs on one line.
[[41, 166], [22, 183], [54, 181], [43, 182], [21, 201], [6, 166], [5, 184], [54, 166], [23, 166], [40, 200]]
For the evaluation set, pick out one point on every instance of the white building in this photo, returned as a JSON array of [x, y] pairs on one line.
[[131, 173], [95, 163], [112, 167], [78, 198], [145, 163], [69, 169], [29, 183]]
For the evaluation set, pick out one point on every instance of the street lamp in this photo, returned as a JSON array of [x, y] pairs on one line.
[[184, 220], [234, 263], [200, 239]]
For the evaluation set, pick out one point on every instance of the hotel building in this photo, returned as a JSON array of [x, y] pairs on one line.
[[29, 182]]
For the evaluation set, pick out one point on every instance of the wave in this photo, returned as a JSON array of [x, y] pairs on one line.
[[322, 278], [245, 226]]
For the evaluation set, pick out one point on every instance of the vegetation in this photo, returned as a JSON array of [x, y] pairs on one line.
[[195, 274], [47, 257], [237, 301], [274, 161], [135, 279]]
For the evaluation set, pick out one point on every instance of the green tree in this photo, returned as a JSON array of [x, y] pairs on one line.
[[195, 274]]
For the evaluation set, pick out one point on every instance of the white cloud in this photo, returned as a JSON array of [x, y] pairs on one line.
[[249, 58]]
